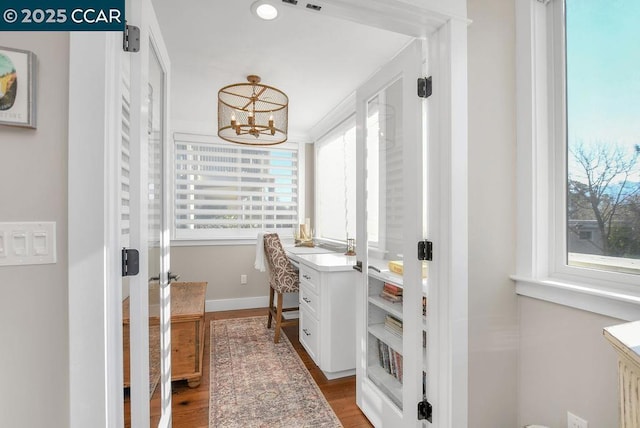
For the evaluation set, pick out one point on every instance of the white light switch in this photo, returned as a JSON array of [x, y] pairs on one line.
[[27, 243], [19, 243], [40, 247]]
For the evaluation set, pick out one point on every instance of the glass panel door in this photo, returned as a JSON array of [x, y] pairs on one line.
[[149, 298], [155, 190], [384, 189], [390, 148]]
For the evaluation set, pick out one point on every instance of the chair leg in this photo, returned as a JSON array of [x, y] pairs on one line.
[[270, 307], [276, 335]]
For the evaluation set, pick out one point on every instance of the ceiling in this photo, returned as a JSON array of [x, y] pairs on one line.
[[317, 60]]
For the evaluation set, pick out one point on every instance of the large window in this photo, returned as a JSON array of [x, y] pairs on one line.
[[603, 134], [336, 183], [229, 191], [578, 102]]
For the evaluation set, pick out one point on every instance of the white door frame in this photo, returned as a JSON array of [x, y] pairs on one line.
[[95, 330], [95, 306]]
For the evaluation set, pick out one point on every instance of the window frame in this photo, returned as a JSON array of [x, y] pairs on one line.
[[541, 270], [211, 239]]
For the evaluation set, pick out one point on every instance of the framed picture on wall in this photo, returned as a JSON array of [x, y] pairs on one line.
[[17, 87]]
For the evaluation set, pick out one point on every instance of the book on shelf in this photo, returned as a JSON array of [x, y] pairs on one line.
[[392, 289], [393, 325], [390, 297], [424, 306], [398, 358], [385, 357], [390, 360], [391, 292], [396, 266]]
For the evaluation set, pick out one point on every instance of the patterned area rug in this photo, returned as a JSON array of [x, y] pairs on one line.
[[258, 383]]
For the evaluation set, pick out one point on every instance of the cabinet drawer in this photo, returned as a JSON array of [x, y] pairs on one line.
[[310, 277], [309, 334], [309, 300]]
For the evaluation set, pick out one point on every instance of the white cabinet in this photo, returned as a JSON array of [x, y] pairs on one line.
[[327, 317]]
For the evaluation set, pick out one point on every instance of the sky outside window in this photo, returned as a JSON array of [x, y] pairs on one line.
[[603, 131]]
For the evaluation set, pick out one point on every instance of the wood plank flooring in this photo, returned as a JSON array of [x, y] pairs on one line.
[[191, 405]]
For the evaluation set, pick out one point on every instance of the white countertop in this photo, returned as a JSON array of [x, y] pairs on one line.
[[321, 259]]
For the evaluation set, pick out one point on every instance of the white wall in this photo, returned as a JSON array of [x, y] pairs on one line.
[[221, 266], [565, 365], [34, 338], [493, 321]]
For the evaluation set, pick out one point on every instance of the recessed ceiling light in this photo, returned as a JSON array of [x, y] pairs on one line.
[[264, 10]]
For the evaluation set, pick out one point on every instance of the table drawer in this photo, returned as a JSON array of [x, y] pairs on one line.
[[309, 277], [309, 334], [309, 300]]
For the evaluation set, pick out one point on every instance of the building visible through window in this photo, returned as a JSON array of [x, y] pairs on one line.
[[229, 191]]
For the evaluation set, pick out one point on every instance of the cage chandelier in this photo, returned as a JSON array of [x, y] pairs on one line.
[[253, 114]]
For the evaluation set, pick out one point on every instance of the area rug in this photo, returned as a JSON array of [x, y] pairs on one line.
[[258, 383]]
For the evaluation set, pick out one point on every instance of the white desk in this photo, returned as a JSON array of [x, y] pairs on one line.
[[327, 301]]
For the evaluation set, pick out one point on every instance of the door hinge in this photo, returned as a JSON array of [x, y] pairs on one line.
[[131, 38], [425, 250], [425, 411], [130, 262], [424, 87]]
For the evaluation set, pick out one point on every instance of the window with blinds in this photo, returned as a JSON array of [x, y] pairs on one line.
[[125, 157], [336, 183], [227, 191], [385, 186], [154, 159]]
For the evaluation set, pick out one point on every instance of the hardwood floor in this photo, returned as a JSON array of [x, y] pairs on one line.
[[191, 405]]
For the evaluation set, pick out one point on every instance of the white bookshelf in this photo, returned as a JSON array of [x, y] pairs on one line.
[[386, 382], [394, 309], [394, 341]]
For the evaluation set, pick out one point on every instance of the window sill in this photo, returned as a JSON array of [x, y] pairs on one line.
[[616, 304]]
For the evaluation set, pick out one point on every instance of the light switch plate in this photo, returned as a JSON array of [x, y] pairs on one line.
[[27, 243]]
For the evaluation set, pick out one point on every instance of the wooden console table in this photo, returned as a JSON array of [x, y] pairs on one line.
[[187, 331]]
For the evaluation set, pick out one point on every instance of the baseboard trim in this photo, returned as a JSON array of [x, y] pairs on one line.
[[234, 304], [290, 299]]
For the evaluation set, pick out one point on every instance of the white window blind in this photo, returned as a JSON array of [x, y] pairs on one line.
[[154, 184], [125, 156], [385, 185], [228, 191], [336, 183]]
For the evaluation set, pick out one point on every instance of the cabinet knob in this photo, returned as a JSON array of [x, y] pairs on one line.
[[305, 276], [306, 300], [306, 332]]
